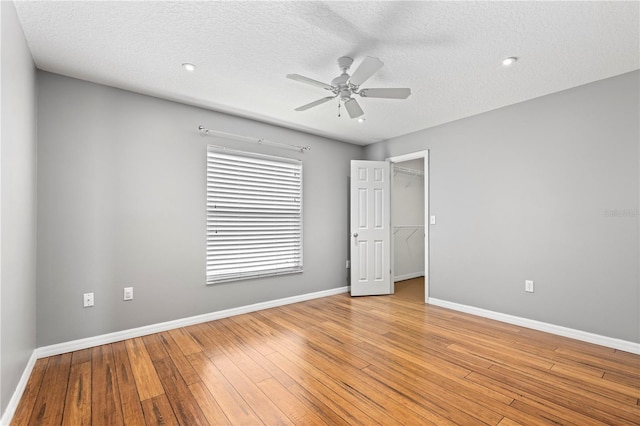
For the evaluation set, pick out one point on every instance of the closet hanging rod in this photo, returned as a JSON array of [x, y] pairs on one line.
[[408, 170], [207, 132]]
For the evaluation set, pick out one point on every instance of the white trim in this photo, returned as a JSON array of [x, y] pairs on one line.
[[7, 416], [117, 336], [408, 276], [410, 156], [584, 336]]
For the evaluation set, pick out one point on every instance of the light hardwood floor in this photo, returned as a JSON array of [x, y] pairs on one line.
[[412, 289], [339, 360]]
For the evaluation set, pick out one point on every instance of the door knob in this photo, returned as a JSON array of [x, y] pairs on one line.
[[355, 235]]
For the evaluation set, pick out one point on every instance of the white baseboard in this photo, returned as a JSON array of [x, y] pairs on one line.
[[79, 344], [117, 336], [408, 276], [584, 336], [17, 394]]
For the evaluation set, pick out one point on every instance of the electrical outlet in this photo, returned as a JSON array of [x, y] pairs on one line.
[[88, 300], [128, 293], [528, 286]]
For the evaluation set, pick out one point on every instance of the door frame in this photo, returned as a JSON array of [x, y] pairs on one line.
[[398, 159]]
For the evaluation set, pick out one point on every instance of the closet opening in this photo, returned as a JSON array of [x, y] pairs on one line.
[[409, 211]]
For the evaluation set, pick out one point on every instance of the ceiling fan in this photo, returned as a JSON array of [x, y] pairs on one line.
[[345, 85]]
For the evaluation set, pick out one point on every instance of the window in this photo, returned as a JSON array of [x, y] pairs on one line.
[[254, 215]]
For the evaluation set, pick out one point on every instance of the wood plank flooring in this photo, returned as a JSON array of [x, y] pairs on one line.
[[338, 360], [412, 289]]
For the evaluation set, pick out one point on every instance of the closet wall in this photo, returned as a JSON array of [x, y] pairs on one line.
[[407, 213]]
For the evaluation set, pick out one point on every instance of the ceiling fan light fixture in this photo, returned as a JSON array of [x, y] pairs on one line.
[[189, 67], [507, 62], [361, 120]]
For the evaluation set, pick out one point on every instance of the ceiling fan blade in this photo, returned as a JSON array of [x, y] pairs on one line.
[[303, 79], [396, 93], [367, 68], [315, 103], [353, 108]]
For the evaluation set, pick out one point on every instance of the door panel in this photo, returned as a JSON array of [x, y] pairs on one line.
[[370, 228]]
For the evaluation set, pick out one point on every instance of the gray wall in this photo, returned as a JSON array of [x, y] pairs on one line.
[[121, 202], [545, 190], [17, 206]]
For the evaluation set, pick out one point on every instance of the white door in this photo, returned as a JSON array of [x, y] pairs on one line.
[[370, 228]]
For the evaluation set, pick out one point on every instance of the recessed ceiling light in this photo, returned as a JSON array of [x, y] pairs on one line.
[[509, 61], [189, 67], [361, 120]]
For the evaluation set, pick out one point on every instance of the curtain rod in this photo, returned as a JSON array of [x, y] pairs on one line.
[[206, 132]]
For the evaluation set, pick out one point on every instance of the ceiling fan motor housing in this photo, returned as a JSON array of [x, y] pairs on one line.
[[340, 80], [345, 94]]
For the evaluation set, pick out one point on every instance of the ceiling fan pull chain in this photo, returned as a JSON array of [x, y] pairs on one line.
[[338, 108]]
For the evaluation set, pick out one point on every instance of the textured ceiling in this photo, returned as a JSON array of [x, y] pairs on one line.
[[448, 53]]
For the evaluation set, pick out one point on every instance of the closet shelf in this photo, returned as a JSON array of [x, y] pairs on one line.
[[414, 172]]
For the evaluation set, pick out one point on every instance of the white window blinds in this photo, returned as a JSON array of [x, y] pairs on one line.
[[254, 215]]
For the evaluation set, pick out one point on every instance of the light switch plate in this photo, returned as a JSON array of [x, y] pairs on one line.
[[128, 293]]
